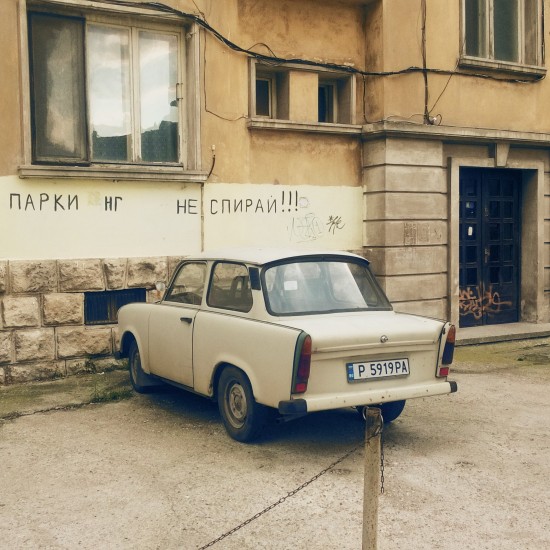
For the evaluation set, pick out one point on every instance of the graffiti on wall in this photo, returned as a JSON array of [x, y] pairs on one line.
[[476, 303], [303, 227], [266, 213]]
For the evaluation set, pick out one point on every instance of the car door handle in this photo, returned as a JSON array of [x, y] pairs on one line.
[[187, 320]]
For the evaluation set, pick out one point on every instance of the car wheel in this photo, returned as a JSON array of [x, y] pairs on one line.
[[242, 416], [390, 411], [141, 382]]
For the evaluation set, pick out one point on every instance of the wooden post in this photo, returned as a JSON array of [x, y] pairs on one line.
[[371, 492]]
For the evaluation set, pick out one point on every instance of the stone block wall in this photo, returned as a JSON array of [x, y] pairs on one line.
[[43, 334], [406, 222]]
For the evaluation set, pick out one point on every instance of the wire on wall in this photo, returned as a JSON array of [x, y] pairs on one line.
[[274, 60], [425, 63], [308, 62]]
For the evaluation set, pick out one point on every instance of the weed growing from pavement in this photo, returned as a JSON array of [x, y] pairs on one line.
[[104, 394]]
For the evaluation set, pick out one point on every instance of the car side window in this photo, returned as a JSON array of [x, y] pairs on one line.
[[188, 285], [230, 287]]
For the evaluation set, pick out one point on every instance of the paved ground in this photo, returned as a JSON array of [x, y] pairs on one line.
[[469, 470]]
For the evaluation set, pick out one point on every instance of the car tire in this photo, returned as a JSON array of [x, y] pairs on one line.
[[243, 418], [141, 382], [390, 411]]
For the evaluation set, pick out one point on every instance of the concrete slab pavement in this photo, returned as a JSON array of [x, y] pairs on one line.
[[157, 471]]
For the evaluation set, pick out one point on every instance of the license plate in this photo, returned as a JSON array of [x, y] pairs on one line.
[[385, 368]]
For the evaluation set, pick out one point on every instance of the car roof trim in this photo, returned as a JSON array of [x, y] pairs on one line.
[[262, 256]]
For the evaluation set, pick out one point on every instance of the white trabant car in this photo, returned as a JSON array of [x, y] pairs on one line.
[[267, 331]]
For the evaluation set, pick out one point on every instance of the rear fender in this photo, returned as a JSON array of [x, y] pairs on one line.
[[133, 322], [263, 351]]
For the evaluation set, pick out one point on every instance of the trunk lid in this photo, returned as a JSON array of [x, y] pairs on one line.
[[376, 341], [357, 331]]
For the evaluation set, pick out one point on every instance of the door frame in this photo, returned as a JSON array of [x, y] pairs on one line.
[[531, 291]]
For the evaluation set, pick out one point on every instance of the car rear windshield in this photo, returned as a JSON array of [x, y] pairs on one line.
[[321, 286]]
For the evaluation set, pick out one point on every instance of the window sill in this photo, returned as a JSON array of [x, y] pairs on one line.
[[516, 69], [258, 123], [114, 172]]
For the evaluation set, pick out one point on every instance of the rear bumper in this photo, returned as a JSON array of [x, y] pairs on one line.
[[325, 402], [293, 407]]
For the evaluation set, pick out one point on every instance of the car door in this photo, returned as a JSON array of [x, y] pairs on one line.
[[171, 325]]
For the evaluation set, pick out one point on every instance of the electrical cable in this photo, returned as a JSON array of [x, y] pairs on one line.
[[221, 117], [425, 63], [308, 62]]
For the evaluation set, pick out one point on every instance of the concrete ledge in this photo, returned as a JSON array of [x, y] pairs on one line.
[[501, 333]]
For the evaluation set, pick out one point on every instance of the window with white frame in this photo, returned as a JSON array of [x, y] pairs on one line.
[[327, 102], [271, 94], [503, 30], [103, 92], [266, 104], [273, 91]]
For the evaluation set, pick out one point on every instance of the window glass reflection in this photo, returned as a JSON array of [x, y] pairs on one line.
[[109, 92], [158, 60]]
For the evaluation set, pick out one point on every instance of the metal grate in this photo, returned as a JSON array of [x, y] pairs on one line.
[[101, 308]]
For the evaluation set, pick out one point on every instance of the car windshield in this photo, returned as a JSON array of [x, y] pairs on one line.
[[316, 286]]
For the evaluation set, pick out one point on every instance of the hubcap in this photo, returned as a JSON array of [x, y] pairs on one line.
[[236, 401]]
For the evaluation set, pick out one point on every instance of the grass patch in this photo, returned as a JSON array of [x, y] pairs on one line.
[[105, 389], [106, 395]]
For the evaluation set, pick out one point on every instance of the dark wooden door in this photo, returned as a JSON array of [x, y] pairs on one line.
[[489, 246]]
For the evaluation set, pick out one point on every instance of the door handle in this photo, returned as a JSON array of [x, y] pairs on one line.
[[187, 320]]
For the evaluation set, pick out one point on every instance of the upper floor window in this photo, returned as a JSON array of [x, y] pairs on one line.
[[503, 30], [103, 92], [301, 96]]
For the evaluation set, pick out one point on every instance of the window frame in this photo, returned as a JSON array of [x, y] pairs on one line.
[[231, 306], [187, 168], [111, 301], [489, 62], [271, 80], [330, 89], [136, 134], [344, 94], [167, 295]]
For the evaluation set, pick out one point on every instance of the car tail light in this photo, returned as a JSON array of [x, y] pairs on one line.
[[448, 352], [302, 364]]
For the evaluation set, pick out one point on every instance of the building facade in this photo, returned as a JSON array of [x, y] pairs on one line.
[[414, 132]]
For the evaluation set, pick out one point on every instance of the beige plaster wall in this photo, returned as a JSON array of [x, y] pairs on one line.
[[10, 105], [319, 30], [466, 101]]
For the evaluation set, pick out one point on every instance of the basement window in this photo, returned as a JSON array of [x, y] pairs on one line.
[[101, 308]]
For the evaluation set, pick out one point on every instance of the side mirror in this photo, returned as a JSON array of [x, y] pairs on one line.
[[160, 286]]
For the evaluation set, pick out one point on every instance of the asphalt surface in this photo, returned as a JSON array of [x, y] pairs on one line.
[[468, 470]]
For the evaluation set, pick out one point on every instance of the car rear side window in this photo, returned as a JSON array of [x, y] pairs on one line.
[[230, 287]]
